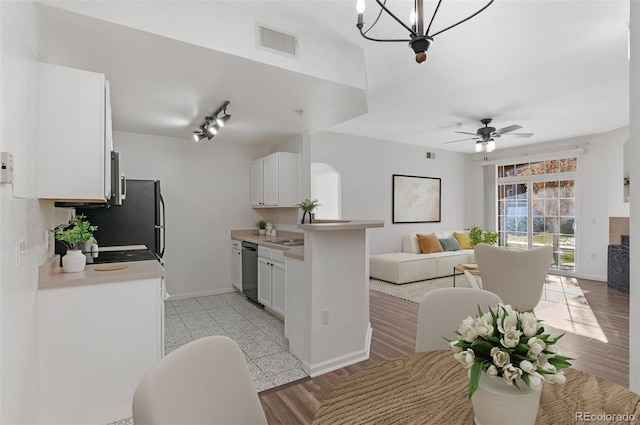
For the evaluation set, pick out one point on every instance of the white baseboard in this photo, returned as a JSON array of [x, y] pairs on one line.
[[174, 297], [345, 360]]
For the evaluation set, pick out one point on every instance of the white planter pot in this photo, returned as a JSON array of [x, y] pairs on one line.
[[74, 261], [497, 403]]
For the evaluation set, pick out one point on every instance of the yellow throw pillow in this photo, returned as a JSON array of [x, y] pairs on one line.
[[463, 240], [429, 243]]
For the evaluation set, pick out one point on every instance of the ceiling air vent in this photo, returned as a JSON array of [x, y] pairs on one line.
[[276, 41]]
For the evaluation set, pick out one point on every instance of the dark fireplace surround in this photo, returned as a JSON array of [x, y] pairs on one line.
[[618, 254]]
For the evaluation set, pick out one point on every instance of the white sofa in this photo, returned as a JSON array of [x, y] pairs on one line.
[[411, 265]]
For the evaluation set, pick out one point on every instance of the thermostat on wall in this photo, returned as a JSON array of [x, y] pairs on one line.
[[6, 171]]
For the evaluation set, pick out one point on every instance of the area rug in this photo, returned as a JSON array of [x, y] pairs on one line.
[[415, 291], [553, 293]]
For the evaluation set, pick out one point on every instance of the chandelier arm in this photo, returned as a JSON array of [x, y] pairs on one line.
[[398, 20], [464, 20], [433, 17], [374, 22], [364, 34]]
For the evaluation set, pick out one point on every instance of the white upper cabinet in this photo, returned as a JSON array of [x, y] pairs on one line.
[[274, 180], [74, 135]]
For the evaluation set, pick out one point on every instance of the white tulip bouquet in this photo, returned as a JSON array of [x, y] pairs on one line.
[[508, 344]]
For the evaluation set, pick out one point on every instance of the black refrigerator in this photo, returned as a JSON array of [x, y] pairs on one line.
[[138, 221]]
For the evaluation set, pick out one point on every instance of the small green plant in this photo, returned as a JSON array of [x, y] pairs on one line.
[[477, 235], [261, 224], [308, 205], [80, 232]]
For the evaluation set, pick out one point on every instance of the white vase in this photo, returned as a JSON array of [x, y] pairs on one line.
[[496, 402], [74, 261]]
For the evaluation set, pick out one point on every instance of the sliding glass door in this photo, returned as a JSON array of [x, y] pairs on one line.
[[536, 206]]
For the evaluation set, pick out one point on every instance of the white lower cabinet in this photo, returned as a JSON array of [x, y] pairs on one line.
[[271, 280], [96, 341], [265, 282], [278, 289], [236, 264]]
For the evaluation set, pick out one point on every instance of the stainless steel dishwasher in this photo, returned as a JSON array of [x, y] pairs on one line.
[[250, 271]]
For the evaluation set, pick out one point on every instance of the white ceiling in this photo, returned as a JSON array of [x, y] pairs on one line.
[[557, 68]]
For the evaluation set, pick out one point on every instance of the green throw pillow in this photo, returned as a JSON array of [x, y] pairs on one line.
[[450, 244]]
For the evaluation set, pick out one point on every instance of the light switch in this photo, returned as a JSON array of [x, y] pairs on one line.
[[21, 251], [6, 167]]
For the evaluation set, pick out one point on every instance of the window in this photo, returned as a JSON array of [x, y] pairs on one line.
[[536, 206]]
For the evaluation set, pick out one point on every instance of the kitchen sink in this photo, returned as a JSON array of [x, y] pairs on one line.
[[289, 242]]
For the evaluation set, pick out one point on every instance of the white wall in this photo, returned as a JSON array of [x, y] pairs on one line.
[[634, 148], [206, 190], [367, 166], [229, 27], [21, 219]]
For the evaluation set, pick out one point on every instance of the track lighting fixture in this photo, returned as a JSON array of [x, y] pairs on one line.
[[212, 123]]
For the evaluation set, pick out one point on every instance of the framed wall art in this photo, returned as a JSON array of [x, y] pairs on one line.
[[416, 199]]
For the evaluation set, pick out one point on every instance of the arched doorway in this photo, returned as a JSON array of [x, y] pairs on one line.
[[326, 184]]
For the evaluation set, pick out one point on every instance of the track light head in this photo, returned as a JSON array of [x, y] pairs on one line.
[[198, 136]]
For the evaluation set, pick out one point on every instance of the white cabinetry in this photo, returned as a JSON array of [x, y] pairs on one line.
[[236, 264], [74, 135], [271, 280], [96, 341], [274, 180]]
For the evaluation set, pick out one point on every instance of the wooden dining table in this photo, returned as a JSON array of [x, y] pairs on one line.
[[432, 388]]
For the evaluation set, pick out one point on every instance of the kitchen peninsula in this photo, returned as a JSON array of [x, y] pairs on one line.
[[327, 321]]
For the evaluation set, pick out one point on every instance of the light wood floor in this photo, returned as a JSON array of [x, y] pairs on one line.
[[596, 333]]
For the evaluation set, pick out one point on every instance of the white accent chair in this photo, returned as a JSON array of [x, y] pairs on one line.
[[517, 276], [203, 382], [474, 282], [443, 309]]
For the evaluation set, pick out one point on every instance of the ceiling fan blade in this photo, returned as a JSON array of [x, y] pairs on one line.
[[461, 140], [519, 134], [508, 129], [464, 132]]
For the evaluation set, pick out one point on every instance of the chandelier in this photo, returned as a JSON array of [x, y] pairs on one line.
[[419, 39], [212, 124]]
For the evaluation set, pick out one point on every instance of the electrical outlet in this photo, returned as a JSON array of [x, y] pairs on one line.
[[324, 317]]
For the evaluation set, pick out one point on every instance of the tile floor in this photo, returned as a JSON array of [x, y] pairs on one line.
[[259, 334]]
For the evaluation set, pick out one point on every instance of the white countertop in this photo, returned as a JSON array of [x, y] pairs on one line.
[[51, 276], [341, 225]]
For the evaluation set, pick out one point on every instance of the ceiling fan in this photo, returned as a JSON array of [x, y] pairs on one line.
[[485, 135]]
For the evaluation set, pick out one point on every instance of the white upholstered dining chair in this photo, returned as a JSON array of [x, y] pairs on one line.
[[443, 309], [517, 276], [203, 382]]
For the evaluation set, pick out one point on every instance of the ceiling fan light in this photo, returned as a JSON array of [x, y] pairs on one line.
[[478, 147], [491, 146]]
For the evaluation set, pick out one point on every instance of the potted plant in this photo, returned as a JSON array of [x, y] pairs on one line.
[[73, 237], [307, 206], [477, 235], [262, 226], [510, 355]]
